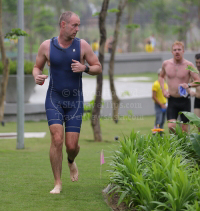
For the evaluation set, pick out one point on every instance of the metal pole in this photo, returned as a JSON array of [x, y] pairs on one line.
[[20, 78]]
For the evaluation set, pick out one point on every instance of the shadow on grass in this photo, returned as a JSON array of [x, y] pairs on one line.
[[92, 141]]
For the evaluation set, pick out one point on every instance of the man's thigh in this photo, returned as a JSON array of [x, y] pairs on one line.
[[172, 111], [57, 132]]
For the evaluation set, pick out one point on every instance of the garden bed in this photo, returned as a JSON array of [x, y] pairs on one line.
[[151, 172]]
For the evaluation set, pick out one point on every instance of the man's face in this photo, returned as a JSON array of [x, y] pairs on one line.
[[178, 52], [72, 27], [198, 64]]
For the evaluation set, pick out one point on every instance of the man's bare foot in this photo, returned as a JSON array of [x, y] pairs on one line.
[[73, 171], [57, 189]]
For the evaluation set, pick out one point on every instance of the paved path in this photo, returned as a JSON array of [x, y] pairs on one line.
[[126, 87]]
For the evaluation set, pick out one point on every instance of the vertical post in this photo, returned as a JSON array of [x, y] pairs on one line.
[[20, 78]]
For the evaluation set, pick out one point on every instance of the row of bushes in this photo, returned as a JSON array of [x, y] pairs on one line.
[[28, 67], [151, 172]]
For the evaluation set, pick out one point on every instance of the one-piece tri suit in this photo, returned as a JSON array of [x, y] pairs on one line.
[[64, 99]]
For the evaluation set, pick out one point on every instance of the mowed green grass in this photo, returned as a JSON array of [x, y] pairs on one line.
[[26, 177]]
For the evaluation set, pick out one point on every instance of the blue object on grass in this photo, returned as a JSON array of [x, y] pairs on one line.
[[182, 91]]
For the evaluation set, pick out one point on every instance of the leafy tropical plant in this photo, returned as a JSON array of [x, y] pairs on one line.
[[88, 109], [153, 172], [194, 137], [192, 69], [15, 33]]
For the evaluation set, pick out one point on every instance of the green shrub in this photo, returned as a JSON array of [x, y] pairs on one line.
[[156, 173], [28, 68], [45, 71], [88, 109]]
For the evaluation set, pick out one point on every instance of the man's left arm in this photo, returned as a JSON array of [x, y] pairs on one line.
[[195, 78], [88, 55]]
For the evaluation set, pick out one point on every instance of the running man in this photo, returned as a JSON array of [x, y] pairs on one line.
[[176, 74], [66, 56]]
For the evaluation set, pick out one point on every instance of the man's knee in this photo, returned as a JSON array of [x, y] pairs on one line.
[[57, 140], [72, 147], [57, 135], [171, 127], [71, 141]]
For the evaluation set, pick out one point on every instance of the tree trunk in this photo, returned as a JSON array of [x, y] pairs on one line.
[[198, 7], [5, 63], [162, 48], [115, 99], [184, 26], [30, 47], [4, 83], [95, 120], [61, 6], [185, 19]]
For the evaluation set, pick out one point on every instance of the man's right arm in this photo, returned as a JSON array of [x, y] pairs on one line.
[[162, 80], [39, 65]]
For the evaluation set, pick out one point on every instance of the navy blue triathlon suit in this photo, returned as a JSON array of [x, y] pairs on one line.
[[64, 99]]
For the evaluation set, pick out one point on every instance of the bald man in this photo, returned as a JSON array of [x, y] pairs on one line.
[[66, 56]]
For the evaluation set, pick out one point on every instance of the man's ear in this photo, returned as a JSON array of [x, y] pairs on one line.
[[63, 24]]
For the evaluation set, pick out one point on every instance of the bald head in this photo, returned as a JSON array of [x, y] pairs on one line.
[[65, 16]]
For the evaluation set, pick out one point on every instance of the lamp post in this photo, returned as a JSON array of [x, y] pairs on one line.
[[20, 78]]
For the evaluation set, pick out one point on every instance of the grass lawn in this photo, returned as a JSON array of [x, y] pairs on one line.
[[26, 177]]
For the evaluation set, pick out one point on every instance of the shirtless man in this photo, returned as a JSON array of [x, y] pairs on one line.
[[197, 93], [65, 55], [176, 74]]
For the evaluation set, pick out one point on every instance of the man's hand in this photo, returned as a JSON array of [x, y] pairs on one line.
[[39, 79], [166, 94], [184, 85], [77, 67], [163, 106]]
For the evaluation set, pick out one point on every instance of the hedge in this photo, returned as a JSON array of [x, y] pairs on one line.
[[28, 67]]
